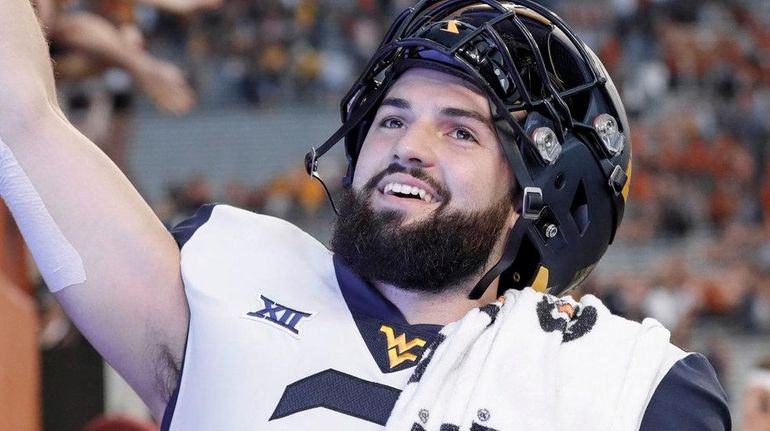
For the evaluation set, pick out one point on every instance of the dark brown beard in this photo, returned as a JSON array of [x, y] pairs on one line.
[[430, 256]]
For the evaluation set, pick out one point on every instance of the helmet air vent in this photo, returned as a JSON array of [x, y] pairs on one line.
[[579, 209]]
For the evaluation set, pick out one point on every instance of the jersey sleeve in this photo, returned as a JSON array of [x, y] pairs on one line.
[[689, 398], [183, 231]]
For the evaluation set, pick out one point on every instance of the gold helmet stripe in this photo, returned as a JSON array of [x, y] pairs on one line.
[[628, 181], [541, 279]]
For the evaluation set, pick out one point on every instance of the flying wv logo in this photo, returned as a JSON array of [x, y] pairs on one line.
[[279, 315], [398, 347]]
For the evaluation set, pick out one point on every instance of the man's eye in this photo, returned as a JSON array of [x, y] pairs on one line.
[[463, 135], [391, 123]]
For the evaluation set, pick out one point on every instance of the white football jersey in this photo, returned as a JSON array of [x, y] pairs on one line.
[[282, 336]]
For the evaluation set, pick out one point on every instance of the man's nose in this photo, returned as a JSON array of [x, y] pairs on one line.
[[416, 147]]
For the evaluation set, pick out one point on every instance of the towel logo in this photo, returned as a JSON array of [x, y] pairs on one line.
[[572, 320], [423, 414], [399, 348], [279, 315]]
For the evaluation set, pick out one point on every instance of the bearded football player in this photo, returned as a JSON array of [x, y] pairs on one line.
[[489, 164]]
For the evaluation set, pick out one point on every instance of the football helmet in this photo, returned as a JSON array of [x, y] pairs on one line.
[[557, 115]]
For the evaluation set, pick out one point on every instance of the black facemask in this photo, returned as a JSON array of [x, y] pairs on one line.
[[447, 248]]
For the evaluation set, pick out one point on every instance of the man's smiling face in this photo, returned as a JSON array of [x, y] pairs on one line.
[[431, 195], [438, 127]]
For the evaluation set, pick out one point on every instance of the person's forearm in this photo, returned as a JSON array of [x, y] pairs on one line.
[[97, 37], [163, 82]]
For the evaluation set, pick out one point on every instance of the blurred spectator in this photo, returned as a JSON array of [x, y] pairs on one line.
[[756, 407], [673, 299], [756, 304], [719, 353]]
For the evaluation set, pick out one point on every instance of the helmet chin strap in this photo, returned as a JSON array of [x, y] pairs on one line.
[[511, 250], [311, 158], [530, 209]]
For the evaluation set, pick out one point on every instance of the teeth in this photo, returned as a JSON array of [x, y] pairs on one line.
[[393, 188]]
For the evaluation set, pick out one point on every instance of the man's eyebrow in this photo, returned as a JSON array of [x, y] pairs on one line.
[[464, 113], [396, 102], [400, 103]]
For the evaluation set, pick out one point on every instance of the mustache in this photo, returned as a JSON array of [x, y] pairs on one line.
[[419, 173]]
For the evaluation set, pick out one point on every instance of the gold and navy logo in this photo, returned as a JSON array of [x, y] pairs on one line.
[[399, 348]]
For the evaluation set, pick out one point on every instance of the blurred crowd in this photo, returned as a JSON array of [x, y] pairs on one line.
[[694, 76], [276, 51], [292, 195]]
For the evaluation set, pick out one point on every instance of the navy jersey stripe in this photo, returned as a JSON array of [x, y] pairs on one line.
[[183, 231], [689, 398], [340, 392]]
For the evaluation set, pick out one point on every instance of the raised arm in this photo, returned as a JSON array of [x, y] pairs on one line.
[[119, 279]]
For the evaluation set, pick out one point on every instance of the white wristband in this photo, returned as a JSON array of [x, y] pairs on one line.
[[58, 261]]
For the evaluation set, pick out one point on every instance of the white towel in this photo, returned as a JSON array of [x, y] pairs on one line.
[[533, 362]]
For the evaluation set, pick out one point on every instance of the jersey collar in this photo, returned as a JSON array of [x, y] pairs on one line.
[[362, 297]]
